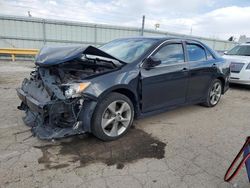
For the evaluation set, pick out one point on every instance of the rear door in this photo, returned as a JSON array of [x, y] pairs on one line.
[[202, 67], [166, 84]]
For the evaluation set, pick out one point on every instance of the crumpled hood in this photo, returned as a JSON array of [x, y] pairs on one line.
[[54, 55]]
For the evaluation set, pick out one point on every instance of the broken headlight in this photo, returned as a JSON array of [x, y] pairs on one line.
[[75, 89]]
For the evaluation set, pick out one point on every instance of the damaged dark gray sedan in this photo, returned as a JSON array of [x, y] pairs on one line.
[[75, 90]]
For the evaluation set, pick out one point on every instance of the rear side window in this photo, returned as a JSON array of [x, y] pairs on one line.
[[196, 52], [209, 55], [170, 54]]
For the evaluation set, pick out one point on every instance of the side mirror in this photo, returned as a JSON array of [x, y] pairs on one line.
[[225, 53], [151, 62]]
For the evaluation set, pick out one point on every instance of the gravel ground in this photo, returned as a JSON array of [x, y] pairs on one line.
[[186, 147]]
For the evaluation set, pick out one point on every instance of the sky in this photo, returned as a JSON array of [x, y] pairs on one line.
[[208, 18]]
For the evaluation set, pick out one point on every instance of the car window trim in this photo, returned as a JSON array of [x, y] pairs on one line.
[[166, 42], [198, 44], [208, 52], [171, 44]]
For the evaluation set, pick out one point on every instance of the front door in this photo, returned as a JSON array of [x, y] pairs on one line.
[[166, 84]]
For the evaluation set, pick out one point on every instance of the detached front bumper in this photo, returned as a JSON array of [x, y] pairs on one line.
[[54, 119]]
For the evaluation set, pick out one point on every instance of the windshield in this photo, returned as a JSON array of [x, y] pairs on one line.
[[243, 50], [128, 50]]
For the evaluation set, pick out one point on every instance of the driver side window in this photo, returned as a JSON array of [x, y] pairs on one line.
[[170, 54]]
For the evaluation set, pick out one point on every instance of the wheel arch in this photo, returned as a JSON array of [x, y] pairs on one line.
[[222, 79], [97, 118], [128, 93]]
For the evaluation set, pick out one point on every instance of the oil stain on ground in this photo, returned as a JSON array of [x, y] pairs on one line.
[[135, 145]]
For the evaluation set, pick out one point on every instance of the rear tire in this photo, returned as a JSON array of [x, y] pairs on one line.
[[213, 94], [113, 117]]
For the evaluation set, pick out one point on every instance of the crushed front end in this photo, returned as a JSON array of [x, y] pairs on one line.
[[53, 97], [48, 112]]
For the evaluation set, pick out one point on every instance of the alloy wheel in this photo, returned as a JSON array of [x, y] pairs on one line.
[[215, 93], [116, 118]]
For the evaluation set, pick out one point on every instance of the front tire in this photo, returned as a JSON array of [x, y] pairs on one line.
[[113, 117], [214, 93]]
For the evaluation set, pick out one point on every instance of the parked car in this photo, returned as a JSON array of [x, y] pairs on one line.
[[239, 58], [75, 89], [220, 52]]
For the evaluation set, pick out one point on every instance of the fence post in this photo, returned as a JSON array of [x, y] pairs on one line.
[[44, 32], [142, 25], [95, 42], [214, 41], [13, 57]]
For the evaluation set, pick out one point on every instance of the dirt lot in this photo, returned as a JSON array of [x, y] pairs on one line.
[[187, 147]]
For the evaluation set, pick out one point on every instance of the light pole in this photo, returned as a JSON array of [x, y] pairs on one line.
[[143, 24], [157, 25]]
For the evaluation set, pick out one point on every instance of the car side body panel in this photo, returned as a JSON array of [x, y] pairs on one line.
[[164, 86]]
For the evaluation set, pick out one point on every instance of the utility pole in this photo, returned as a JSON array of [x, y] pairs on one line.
[[142, 26], [191, 30]]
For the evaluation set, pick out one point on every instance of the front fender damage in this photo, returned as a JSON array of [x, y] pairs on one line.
[[50, 110], [49, 114]]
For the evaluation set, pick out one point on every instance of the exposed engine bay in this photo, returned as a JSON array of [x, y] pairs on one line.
[[52, 97], [78, 70]]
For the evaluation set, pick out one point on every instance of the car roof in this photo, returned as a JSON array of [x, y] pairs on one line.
[[163, 38]]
